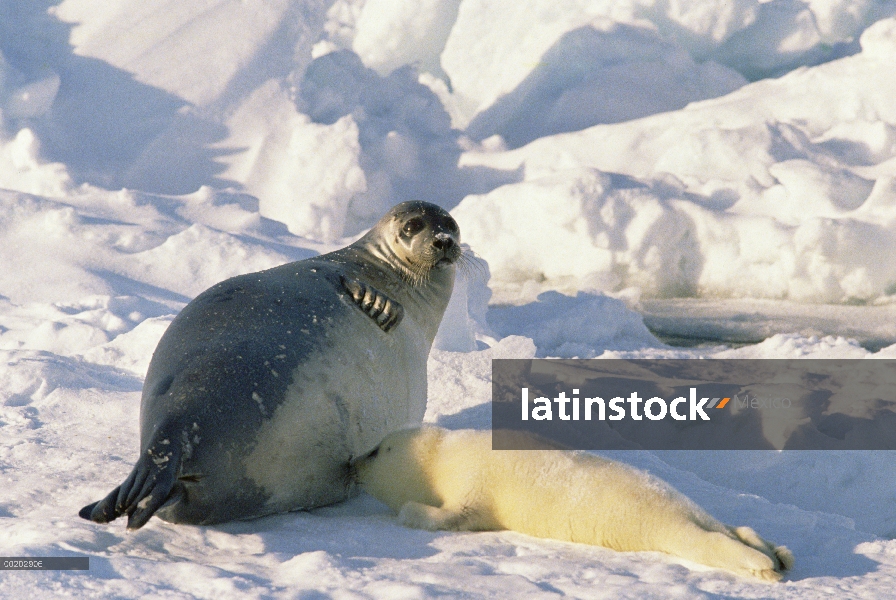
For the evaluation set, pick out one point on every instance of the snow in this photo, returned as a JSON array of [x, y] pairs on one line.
[[758, 193], [633, 179]]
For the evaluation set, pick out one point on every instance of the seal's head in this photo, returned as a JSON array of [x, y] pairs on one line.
[[396, 470], [416, 237]]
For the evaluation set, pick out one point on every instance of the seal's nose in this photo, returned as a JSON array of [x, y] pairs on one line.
[[443, 242]]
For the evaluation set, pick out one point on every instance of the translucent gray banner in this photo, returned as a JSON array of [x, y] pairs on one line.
[[44, 563], [696, 404]]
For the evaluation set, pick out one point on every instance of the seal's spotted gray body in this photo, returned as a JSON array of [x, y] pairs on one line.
[[265, 385]]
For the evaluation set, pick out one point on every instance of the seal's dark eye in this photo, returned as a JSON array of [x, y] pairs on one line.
[[413, 226], [451, 225]]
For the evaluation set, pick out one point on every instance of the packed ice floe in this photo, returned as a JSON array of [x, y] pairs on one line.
[[633, 179]]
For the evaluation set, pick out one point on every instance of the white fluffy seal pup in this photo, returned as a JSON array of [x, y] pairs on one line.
[[266, 384], [440, 479]]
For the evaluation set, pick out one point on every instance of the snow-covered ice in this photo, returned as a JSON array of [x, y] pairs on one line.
[[715, 175]]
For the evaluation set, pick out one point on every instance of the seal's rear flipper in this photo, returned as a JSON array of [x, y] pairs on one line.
[[101, 511], [147, 488]]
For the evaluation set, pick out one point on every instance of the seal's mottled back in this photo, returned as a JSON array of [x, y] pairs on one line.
[[266, 384]]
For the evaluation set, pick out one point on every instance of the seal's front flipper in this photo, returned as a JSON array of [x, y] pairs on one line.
[[421, 516], [146, 489], [386, 312]]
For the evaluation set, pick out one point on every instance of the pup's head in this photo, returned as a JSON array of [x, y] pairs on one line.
[[397, 470]]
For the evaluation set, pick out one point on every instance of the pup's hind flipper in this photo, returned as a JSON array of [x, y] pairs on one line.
[[739, 550], [780, 554]]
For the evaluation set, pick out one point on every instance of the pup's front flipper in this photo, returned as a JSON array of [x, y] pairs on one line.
[[421, 516]]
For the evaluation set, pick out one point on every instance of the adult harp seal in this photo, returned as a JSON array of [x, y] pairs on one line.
[[266, 384]]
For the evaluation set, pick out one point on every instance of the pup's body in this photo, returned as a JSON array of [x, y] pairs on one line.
[[440, 479]]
